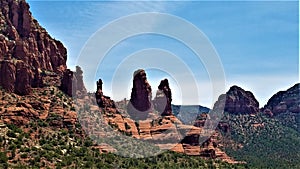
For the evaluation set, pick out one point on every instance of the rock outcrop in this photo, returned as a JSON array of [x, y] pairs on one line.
[[99, 94], [8, 75], [140, 102], [79, 80], [26, 49], [44, 104], [167, 131], [102, 100], [72, 82], [284, 101], [67, 84], [163, 99], [237, 101]]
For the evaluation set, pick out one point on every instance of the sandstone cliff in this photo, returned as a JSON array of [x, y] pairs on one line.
[[72, 82], [284, 101], [26, 49], [29, 56]]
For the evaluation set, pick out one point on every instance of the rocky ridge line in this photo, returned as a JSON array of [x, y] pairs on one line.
[[284, 101], [237, 101]]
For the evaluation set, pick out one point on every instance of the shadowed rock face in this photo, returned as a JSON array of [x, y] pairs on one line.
[[72, 82], [79, 80], [140, 101], [8, 75], [26, 49], [67, 84], [99, 94], [284, 101], [238, 101], [163, 99], [103, 101]]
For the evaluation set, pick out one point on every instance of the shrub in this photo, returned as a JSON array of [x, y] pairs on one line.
[[3, 157], [24, 155], [11, 134]]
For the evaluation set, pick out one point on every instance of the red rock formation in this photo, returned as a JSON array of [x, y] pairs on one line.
[[163, 99], [99, 94], [237, 101], [8, 75], [79, 80], [37, 79], [103, 101], [23, 75], [166, 132], [140, 101], [285, 101], [67, 84], [72, 82], [25, 48]]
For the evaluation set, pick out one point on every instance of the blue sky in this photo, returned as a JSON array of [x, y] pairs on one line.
[[257, 43]]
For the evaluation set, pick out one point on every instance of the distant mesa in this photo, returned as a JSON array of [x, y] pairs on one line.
[[284, 101], [238, 101]]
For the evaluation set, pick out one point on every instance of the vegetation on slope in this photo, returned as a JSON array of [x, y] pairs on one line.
[[262, 142], [62, 149], [40, 144]]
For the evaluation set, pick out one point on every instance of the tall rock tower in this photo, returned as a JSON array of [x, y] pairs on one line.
[[140, 101]]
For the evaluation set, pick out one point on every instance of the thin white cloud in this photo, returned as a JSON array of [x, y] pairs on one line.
[[74, 31]]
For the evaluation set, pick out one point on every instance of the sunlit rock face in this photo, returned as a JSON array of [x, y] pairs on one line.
[[26, 49]]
